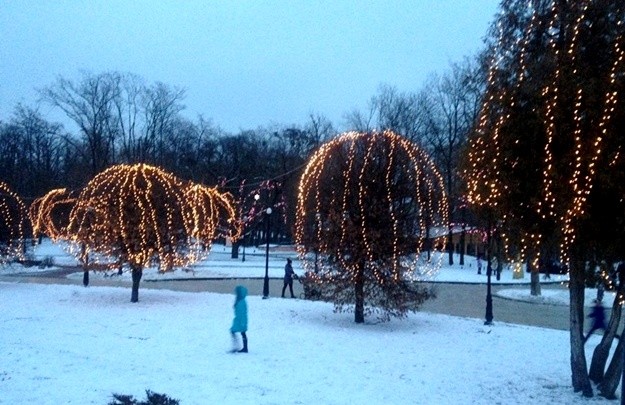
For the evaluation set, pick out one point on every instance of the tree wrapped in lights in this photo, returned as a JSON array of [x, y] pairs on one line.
[[546, 158], [140, 215], [13, 217], [214, 215], [49, 215], [367, 204]]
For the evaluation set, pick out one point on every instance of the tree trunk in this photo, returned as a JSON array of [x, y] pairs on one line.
[[535, 283], [235, 250], [450, 246], [602, 351], [499, 255], [462, 244], [579, 373], [136, 278], [359, 311], [612, 377], [535, 278]]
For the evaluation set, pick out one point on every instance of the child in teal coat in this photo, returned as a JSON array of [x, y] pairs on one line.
[[239, 324]]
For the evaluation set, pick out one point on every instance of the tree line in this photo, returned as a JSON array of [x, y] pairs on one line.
[[120, 118]]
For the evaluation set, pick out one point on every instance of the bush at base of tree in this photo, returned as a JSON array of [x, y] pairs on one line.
[[153, 398], [385, 301]]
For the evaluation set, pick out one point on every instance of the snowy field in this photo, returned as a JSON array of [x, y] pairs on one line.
[[75, 345]]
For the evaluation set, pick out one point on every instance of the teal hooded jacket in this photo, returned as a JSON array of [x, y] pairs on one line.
[[239, 324]]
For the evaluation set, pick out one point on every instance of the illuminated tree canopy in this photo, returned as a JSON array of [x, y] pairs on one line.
[[13, 217], [141, 215], [366, 206], [49, 215], [546, 160]]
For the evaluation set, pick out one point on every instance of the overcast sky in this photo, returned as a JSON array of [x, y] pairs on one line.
[[243, 64]]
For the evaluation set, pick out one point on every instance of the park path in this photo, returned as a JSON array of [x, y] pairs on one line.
[[464, 300]]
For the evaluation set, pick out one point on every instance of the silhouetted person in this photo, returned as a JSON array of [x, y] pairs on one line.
[[598, 319], [288, 278]]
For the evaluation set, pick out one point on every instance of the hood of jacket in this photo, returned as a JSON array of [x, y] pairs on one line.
[[240, 292]]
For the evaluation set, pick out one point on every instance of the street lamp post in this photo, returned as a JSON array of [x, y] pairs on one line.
[[266, 282]]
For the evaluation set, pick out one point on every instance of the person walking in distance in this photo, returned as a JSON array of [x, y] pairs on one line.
[[288, 278], [598, 319], [239, 324]]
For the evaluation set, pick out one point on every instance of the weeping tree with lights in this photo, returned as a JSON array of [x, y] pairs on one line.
[[139, 215], [49, 214], [13, 217], [214, 216], [546, 158], [367, 204]]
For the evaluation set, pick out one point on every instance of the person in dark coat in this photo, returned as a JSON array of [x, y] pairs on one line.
[[288, 278], [239, 324], [598, 319]]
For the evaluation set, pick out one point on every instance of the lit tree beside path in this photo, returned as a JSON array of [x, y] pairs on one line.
[[546, 160], [367, 204], [140, 215]]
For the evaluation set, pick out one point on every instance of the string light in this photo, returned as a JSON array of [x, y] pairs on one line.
[[369, 196], [484, 178]]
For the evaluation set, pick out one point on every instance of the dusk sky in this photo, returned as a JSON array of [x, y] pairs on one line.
[[243, 64]]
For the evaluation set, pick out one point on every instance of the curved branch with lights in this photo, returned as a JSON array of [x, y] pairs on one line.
[[214, 215], [49, 215]]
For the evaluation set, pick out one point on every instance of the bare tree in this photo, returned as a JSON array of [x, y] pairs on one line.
[[357, 120], [451, 111], [31, 152], [161, 105], [401, 112], [320, 128], [128, 109], [90, 104]]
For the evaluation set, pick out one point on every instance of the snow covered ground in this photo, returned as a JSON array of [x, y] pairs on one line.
[[75, 345], [220, 265]]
